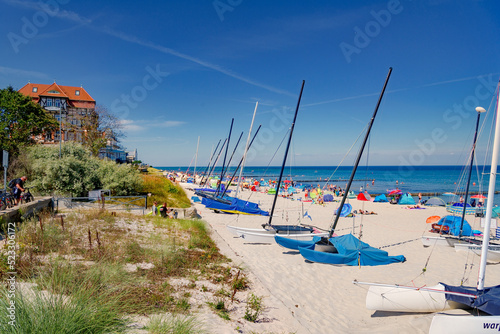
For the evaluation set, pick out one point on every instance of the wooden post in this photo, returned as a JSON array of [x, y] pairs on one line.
[[90, 239]]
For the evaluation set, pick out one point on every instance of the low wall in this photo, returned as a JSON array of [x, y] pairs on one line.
[[26, 210]]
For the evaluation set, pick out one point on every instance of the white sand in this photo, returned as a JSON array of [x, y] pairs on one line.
[[303, 297]]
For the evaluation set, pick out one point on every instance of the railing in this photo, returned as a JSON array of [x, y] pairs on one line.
[[126, 203]]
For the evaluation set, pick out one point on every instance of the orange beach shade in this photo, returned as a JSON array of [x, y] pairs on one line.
[[432, 219]]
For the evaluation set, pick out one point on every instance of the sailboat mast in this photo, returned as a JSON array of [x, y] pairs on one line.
[[348, 187], [229, 161], [209, 162], [470, 174], [286, 154], [225, 154], [246, 149], [216, 160], [491, 195], [196, 158], [241, 160]]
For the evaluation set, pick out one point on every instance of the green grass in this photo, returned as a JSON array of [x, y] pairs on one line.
[[254, 308], [162, 190], [175, 325], [89, 308]]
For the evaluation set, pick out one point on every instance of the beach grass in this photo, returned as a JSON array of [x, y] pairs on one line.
[[175, 324], [162, 190], [127, 260], [63, 306]]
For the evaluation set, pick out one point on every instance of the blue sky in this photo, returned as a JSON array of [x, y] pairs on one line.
[[175, 70]]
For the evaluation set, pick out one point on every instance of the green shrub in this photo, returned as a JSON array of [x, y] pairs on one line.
[[77, 172]]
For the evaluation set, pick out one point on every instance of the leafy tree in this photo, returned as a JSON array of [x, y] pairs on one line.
[[21, 120], [100, 126]]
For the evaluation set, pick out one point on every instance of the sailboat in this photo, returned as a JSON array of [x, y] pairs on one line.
[[451, 230], [268, 231], [233, 205], [385, 297], [345, 249]]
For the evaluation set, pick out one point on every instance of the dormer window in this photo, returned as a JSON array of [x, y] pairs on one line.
[[54, 92], [35, 89], [77, 92]]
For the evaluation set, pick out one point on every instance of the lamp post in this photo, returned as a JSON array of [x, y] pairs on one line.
[[479, 110]]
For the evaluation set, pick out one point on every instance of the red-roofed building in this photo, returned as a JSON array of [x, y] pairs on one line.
[[68, 104]]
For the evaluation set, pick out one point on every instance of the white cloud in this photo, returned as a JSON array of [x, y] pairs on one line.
[[129, 125], [8, 71]]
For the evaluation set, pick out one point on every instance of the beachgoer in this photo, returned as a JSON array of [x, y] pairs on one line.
[[419, 198], [164, 210], [154, 209], [18, 188]]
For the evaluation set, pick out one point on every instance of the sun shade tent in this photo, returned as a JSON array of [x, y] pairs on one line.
[[363, 197], [381, 199], [453, 224], [406, 199], [435, 201]]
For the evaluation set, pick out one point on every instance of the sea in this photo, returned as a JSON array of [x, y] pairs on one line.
[[440, 181]]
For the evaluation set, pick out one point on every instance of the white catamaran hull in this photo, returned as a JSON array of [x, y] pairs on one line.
[[237, 230], [464, 324], [408, 299], [268, 238], [434, 240], [493, 254]]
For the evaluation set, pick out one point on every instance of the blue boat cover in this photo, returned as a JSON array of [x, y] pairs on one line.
[[453, 223], [295, 244], [488, 300], [210, 190], [350, 251], [236, 206], [381, 199]]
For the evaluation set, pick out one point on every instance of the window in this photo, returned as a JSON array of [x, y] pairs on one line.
[[77, 92], [57, 103], [35, 89], [49, 102], [53, 92]]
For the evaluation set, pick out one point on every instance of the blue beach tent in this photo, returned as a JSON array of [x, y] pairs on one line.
[[453, 224], [381, 199], [406, 199]]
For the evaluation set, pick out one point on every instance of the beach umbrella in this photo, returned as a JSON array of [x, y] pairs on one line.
[[479, 196], [346, 209], [395, 192]]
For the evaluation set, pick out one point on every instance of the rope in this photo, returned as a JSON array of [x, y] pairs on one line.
[[399, 243]]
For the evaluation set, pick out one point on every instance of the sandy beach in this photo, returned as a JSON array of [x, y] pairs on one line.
[[304, 297]]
